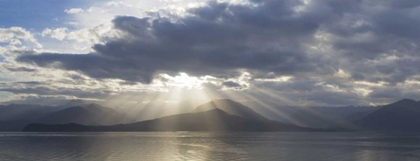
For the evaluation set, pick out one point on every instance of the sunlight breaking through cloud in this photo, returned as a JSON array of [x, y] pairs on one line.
[[321, 51]]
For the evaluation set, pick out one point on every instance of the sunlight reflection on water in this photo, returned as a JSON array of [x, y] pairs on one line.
[[208, 146]]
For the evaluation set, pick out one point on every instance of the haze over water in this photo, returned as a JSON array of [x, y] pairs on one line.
[[208, 146]]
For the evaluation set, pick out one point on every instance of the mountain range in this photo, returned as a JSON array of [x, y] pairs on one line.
[[216, 115], [15, 117], [232, 108], [401, 116], [328, 117]]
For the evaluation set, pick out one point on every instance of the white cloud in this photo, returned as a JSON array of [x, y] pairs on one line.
[[15, 42], [104, 11], [58, 33], [16, 33], [73, 23], [183, 80], [78, 40], [73, 10]]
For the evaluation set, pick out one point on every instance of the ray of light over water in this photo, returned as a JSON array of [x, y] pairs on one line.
[[208, 146]]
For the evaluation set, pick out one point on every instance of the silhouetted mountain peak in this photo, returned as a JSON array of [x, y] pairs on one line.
[[74, 108], [232, 108], [93, 106], [218, 111], [402, 105], [223, 100], [75, 103], [91, 114], [96, 108], [210, 120], [406, 101], [399, 116]]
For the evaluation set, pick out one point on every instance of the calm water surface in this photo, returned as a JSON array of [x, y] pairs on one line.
[[209, 146]]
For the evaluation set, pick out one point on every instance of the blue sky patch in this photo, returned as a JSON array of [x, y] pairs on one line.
[[36, 14]]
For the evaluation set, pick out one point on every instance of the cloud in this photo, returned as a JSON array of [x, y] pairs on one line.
[[20, 69], [39, 100], [51, 91], [58, 33], [231, 84], [324, 52], [76, 40], [13, 34], [73, 10], [218, 39]]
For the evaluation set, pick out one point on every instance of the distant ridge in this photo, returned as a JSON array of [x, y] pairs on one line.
[[403, 115], [15, 117], [232, 108], [204, 118], [72, 103], [216, 115], [91, 114]]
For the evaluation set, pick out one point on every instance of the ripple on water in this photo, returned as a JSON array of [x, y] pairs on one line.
[[207, 146]]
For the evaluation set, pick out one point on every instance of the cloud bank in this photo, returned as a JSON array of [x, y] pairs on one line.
[[332, 52]]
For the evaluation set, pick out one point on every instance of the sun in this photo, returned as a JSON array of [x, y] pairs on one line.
[[183, 80]]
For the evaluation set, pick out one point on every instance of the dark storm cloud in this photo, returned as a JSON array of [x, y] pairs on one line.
[[390, 94], [20, 69], [400, 3], [94, 65], [231, 84], [372, 40], [31, 83], [50, 91], [392, 70], [39, 100], [377, 40], [386, 93], [216, 39]]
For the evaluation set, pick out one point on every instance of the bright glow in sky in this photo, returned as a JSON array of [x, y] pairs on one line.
[[268, 52]]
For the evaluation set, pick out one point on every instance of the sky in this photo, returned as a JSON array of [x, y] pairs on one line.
[[264, 52]]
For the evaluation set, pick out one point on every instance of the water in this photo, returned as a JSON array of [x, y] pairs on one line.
[[209, 146]]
